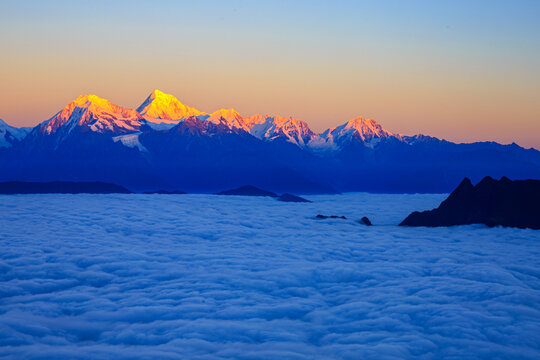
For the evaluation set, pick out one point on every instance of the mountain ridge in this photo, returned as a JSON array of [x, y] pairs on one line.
[[92, 113], [10, 135], [92, 139], [161, 111], [166, 108]]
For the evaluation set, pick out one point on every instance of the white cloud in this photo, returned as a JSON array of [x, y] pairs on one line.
[[214, 277]]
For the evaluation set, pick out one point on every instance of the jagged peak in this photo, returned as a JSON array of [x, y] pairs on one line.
[[287, 123], [160, 95], [283, 119], [277, 120], [225, 113], [230, 116], [487, 180], [157, 93], [89, 99], [360, 129], [464, 189], [159, 105], [258, 117], [366, 128], [294, 130], [96, 113], [359, 123], [96, 104], [466, 183]]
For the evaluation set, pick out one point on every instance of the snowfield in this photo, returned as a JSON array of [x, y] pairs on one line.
[[217, 277]]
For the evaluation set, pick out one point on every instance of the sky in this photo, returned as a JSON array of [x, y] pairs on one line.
[[459, 70]]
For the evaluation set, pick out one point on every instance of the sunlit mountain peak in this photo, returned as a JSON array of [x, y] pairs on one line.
[[95, 113], [166, 108], [89, 99], [366, 129], [157, 93], [292, 129], [225, 113], [231, 117], [97, 105]]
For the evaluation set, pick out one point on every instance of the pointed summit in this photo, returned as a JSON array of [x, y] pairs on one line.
[[230, 117], [90, 99], [365, 129], [359, 129], [225, 113], [95, 114], [157, 93], [291, 129], [161, 107]]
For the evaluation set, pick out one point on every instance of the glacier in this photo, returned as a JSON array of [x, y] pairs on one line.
[[214, 277]]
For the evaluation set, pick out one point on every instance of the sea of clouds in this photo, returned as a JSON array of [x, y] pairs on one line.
[[216, 277]]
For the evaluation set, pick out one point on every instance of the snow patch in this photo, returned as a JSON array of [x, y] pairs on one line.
[[10, 134], [131, 141]]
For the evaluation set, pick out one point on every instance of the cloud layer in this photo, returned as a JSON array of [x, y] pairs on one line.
[[213, 277]]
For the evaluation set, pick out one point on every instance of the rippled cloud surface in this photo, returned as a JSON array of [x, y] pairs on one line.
[[212, 277]]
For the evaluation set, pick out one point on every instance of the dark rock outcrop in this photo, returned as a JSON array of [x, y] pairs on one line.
[[248, 190], [490, 202], [330, 217], [61, 187], [292, 198], [365, 221]]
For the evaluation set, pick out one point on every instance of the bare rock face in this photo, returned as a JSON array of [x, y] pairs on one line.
[[365, 221], [490, 202]]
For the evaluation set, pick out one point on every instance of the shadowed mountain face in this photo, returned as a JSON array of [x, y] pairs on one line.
[[292, 198], [168, 145], [196, 155], [248, 190], [10, 135], [490, 202], [60, 187]]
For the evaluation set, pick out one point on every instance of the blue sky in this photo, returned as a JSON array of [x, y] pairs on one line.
[[462, 70]]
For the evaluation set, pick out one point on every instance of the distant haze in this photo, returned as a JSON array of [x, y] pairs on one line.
[[461, 70]]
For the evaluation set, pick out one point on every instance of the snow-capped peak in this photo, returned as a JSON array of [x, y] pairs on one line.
[[367, 131], [225, 114], [10, 134], [161, 107], [89, 100], [93, 113], [158, 93], [230, 117], [292, 129]]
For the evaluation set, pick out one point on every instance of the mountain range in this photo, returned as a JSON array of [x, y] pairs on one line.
[[168, 145]]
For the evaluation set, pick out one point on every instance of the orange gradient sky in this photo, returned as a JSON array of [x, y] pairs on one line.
[[455, 70]]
